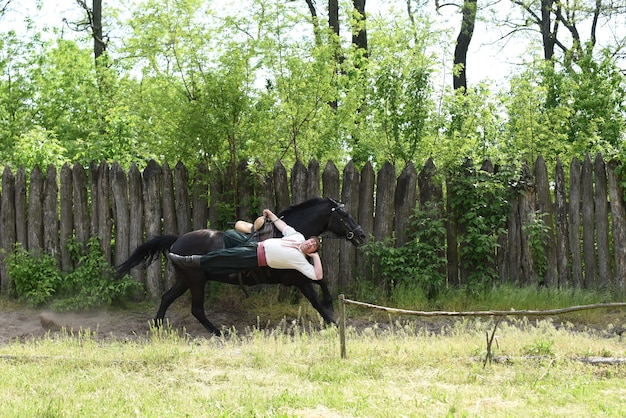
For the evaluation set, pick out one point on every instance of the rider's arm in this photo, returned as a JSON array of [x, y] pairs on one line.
[[317, 265], [278, 223]]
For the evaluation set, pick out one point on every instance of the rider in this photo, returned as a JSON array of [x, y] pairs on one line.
[[289, 252]]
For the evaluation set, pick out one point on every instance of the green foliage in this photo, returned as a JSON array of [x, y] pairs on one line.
[[480, 207], [39, 147], [39, 280], [404, 107], [193, 81], [419, 264], [469, 126], [567, 111], [36, 278], [90, 284], [479, 203]]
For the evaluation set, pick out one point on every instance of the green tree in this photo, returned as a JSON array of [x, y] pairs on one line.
[[567, 112]]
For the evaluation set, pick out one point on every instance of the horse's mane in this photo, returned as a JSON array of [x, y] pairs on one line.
[[301, 206]]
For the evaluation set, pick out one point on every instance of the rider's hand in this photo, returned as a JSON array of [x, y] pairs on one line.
[[269, 214]]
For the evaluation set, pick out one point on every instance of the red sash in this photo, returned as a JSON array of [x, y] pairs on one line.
[[260, 255]]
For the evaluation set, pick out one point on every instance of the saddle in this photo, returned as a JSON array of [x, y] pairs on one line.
[[265, 231]]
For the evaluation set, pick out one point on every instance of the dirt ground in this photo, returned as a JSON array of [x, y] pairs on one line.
[[134, 322], [22, 323]]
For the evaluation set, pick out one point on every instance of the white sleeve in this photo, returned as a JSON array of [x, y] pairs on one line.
[[306, 268], [289, 231]]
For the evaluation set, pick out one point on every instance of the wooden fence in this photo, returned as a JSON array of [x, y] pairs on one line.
[[585, 245]]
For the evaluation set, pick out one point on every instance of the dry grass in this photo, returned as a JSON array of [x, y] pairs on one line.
[[392, 369]]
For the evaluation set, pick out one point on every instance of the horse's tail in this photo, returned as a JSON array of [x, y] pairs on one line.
[[146, 253]]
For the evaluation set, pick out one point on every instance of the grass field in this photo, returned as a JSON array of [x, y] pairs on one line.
[[393, 368]]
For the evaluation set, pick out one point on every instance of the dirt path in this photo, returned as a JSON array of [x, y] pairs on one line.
[[21, 323]]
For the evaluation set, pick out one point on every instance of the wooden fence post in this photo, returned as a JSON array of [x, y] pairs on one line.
[[51, 214], [431, 197], [66, 223], [618, 219], [81, 212], [137, 221], [405, 200], [264, 187], [200, 198], [588, 212], [452, 248], [562, 234], [103, 212], [546, 212], [342, 325], [121, 217], [8, 234], [573, 212], [282, 186], [35, 212], [245, 194], [385, 192], [152, 208], [347, 252], [182, 205], [602, 222], [21, 208], [330, 247], [312, 180], [527, 215], [170, 219], [365, 217], [298, 183]]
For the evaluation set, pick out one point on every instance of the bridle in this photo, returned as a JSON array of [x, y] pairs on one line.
[[340, 213]]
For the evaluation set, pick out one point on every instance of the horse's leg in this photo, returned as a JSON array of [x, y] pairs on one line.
[[197, 306], [168, 298], [311, 294], [327, 297]]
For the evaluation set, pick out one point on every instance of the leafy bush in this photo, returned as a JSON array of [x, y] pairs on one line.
[[420, 263], [36, 278], [39, 280], [480, 203]]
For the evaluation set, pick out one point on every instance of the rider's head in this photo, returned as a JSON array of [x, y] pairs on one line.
[[311, 245]]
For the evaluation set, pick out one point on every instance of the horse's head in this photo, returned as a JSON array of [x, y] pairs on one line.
[[319, 215], [344, 225]]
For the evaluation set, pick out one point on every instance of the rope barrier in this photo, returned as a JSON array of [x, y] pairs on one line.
[[343, 301]]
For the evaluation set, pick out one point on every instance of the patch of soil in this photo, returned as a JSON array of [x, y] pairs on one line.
[[21, 323]]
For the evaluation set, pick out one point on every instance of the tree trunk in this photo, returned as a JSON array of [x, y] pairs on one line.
[[99, 46], [463, 40], [359, 32], [546, 31]]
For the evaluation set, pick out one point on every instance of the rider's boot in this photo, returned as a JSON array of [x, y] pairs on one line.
[[185, 260]]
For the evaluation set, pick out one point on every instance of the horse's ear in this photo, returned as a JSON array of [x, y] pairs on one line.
[[336, 204]]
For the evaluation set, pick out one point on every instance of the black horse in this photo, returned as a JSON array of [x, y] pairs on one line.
[[310, 218]]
